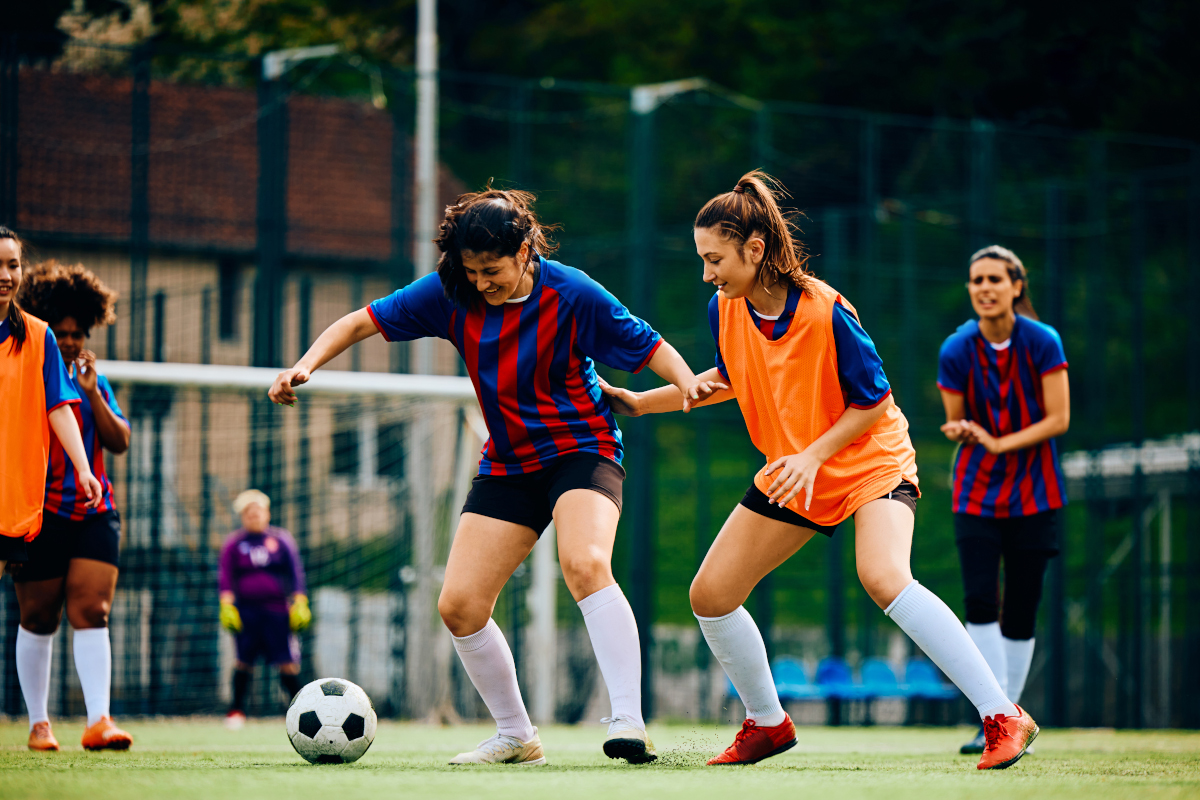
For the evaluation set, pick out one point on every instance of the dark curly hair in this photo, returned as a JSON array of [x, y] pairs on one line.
[[495, 221], [52, 292]]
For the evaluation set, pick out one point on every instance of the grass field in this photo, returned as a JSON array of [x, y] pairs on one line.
[[190, 758]]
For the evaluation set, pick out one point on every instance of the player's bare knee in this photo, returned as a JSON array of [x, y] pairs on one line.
[[89, 615], [883, 583], [460, 615], [586, 575], [709, 603]]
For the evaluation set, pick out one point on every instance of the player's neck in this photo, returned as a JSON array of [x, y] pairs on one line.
[[998, 329], [770, 303]]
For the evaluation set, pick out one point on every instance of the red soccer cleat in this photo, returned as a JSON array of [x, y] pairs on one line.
[[754, 743], [1007, 739]]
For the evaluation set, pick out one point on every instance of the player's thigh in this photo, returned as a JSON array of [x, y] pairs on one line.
[[748, 548], [482, 558], [883, 531], [585, 524], [90, 588]]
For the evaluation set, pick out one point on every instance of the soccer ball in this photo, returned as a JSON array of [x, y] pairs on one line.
[[331, 721]]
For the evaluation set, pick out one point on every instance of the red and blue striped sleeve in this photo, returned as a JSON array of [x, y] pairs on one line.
[[860, 369], [606, 331], [59, 387], [1046, 348], [110, 397], [714, 324], [954, 364], [418, 310]]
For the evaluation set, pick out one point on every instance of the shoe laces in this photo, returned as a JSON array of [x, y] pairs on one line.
[[993, 729], [749, 727], [498, 744], [619, 719]]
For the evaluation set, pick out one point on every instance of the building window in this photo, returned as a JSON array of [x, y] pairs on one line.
[[390, 463], [345, 452], [229, 279]]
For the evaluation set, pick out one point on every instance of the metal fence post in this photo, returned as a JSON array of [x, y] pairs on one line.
[[1056, 611], [402, 215], [1190, 688], [640, 441], [139, 201], [1138, 559], [981, 208]]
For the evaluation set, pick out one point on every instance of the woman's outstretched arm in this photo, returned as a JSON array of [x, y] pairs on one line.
[[347, 331]]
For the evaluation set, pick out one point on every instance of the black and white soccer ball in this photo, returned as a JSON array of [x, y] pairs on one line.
[[331, 721]]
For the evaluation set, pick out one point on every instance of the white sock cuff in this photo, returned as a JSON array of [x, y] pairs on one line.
[[465, 644], [87, 634], [598, 600], [903, 593], [37, 639], [725, 624]]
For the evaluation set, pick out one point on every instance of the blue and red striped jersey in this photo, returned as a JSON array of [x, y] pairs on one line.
[[860, 369], [531, 361], [1002, 391], [62, 494]]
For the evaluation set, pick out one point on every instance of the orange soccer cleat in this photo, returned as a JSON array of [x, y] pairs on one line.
[[754, 743], [1007, 739], [104, 735], [41, 738]]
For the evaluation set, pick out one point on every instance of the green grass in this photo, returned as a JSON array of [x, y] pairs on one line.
[[190, 758]]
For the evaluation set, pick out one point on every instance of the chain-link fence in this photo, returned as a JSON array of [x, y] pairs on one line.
[[238, 216]]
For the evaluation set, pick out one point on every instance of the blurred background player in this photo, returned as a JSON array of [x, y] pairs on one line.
[[812, 390], [1003, 380], [38, 399], [528, 329], [263, 600]]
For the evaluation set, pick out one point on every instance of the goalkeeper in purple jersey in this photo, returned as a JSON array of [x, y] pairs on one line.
[[263, 600]]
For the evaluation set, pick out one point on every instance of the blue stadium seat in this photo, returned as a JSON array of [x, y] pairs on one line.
[[878, 680], [836, 681], [791, 682], [924, 683]]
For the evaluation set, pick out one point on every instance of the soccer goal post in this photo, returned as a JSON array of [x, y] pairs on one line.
[[368, 472]]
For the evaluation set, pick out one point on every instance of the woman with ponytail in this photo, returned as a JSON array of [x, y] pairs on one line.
[[817, 404], [1003, 379], [37, 410], [527, 329]]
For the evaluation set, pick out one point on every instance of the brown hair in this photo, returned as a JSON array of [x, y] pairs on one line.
[[52, 292], [495, 221], [752, 209], [15, 321], [1016, 272]]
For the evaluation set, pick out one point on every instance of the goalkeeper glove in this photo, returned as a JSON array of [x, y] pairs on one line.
[[299, 615], [231, 620]]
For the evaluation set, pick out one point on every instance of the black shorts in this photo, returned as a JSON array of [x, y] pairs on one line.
[[97, 536], [759, 503], [529, 499], [14, 550], [1033, 532]]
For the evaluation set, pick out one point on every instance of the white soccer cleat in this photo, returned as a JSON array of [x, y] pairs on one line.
[[626, 740], [502, 749]]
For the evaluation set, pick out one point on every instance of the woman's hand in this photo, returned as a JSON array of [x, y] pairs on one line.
[[954, 430], [622, 401], [796, 472], [85, 372], [91, 487], [974, 433], [282, 391], [697, 390]]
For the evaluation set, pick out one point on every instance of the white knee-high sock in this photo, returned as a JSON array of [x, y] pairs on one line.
[[93, 662], [614, 636], [490, 665], [1020, 657], [991, 645], [34, 651], [933, 626], [738, 644]]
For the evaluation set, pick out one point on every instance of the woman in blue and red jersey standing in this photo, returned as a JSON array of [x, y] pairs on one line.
[[37, 413], [528, 329], [74, 562], [1003, 380]]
